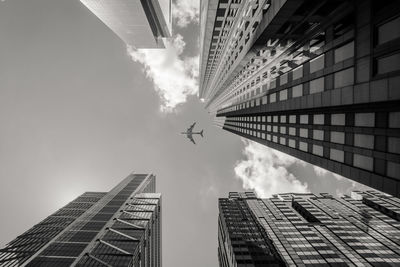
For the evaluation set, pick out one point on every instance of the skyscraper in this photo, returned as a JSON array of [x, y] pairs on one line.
[[140, 24], [309, 230], [319, 80], [118, 228]]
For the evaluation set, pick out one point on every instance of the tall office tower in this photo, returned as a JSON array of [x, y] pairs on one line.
[[118, 228], [140, 24], [309, 230], [316, 79]]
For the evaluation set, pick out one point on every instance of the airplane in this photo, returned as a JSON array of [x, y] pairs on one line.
[[189, 133]]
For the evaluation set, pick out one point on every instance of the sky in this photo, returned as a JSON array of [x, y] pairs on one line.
[[79, 111]]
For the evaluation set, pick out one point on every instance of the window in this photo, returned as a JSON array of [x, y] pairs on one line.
[[269, 119], [283, 95], [303, 119], [389, 31], [344, 78], [303, 146], [364, 140], [317, 85], [319, 119], [282, 130], [304, 132], [275, 129], [263, 135], [394, 119], [363, 162], [284, 78], [292, 131], [268, 137], [364, 119], [263, 118], [393, 169], [344, 52], [317, 63], [292, 143], [282, 141], [297, 90], [292, 118], [268, 128], [318, 150], [318, 135], [338, 119], [336, 155], [275, 139], [272, 98], [394, 145], [272, 84], [337, 137], [276, 118], [283, 118], [298, 72], [388, 63]]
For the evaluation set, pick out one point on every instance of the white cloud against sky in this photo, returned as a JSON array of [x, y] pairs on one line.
[[174, 76], [265, 171], [185, 12]]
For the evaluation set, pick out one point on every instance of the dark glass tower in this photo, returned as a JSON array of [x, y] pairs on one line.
[[118, 228], [319, 80], [309, 230]]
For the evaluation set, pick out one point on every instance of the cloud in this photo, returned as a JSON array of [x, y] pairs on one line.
[[185, 12], [265, 171], [323, 172], [174, 76]]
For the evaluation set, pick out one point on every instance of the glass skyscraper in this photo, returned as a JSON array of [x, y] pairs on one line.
[[319, 80], [118, 228], [309, 230], [140, 24]]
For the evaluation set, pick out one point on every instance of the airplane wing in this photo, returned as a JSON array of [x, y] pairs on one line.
[[191, 139], [191, 127]]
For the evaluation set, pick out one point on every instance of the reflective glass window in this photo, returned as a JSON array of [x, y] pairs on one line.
[[317, 85], [318, 135], [318, 150], [319, 119], [337, 137], [364, 140], [297, 90], [317, 63], [363, 162], [364, 119], [389, 31], [344, 77], [336, 155], [388, 63], [394, 145], [298, 72], [338, 119], [344, 52]]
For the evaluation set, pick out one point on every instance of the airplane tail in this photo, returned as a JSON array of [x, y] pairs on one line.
[[201, 133]]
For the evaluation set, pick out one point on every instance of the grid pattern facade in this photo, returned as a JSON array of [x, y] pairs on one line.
[[241, 241], [316, 79], [118, 228], [319, 230]]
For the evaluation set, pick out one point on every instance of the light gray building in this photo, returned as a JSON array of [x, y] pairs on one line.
[[140, 24], [118, 228]]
